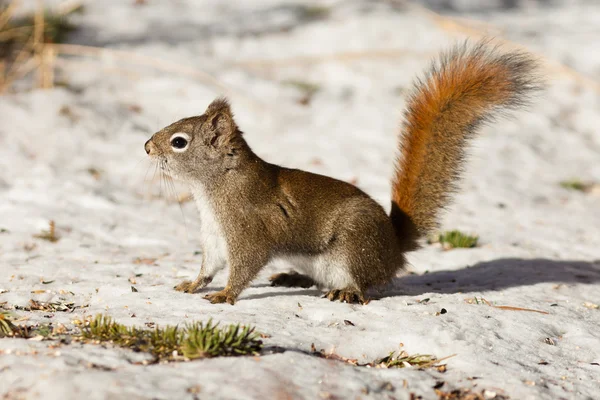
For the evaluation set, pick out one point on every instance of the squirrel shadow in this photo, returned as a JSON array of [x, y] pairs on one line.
[[495, 275], [485, 276], [285, 292]]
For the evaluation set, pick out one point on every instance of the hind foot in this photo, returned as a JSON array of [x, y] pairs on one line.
[[292, 279], [351, 296], [223, 296]]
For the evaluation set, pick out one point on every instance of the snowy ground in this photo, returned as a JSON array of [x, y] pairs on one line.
[[75, 155]]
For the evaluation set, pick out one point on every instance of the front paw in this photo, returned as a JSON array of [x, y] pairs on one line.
[[186, 287], [224, 296], [192, 286]]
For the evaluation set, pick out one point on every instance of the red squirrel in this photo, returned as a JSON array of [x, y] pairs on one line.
[[253, 212]]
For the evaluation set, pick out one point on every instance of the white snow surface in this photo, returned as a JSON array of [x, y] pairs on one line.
[[539, 242]]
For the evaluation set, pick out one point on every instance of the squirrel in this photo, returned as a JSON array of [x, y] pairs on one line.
[[253, 212]]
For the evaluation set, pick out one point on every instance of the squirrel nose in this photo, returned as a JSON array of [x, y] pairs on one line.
[[148, 147]]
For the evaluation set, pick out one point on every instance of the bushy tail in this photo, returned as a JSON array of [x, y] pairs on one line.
[[466, 87]]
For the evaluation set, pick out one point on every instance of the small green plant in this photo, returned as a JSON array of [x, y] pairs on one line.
[[307, 89], [196, 340], [575, 184], [314, 13], [457, 239], [210, 341]]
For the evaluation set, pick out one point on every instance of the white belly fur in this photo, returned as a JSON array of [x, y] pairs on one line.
[[214, 245], [327, 272]]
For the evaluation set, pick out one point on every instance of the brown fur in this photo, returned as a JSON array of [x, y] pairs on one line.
[[254, 211], [465, 88]]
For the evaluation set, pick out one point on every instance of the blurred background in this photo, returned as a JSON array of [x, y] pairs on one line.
[[317, 85]]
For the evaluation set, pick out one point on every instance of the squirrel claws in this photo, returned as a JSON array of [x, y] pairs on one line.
[[223, 296], [350, 296]]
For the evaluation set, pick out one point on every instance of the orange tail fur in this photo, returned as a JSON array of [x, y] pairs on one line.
[[466, 87]]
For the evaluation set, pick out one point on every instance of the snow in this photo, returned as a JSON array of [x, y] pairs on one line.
[[539, 241]]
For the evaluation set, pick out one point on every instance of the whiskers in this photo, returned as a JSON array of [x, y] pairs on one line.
[[166, 187], [146, 192], [170, 189]]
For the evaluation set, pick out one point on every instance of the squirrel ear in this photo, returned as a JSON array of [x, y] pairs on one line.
[[220, 104], [221, 120]]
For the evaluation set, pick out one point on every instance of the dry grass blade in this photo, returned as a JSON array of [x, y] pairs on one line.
[[57, 306], [436, 363], [7, 13], [25, 43], [468, 394], [49, 235], [38, 26], [8, 329], [481, 300], [511, 308], [14, 33], [40, 50], [402, 360], [46, 70]]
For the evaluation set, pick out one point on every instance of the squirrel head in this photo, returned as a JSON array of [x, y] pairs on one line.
[[198, 148]]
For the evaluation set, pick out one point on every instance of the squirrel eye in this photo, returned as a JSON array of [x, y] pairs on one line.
[[179, 142]]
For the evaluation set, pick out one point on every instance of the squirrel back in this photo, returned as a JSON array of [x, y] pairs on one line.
[[467, 87]]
